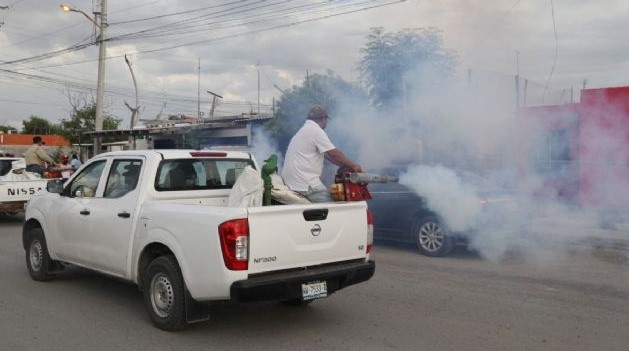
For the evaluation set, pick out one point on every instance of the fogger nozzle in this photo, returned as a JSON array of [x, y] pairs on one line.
[[371, 178]]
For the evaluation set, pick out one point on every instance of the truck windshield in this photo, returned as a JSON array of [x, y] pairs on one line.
[[198, 174]]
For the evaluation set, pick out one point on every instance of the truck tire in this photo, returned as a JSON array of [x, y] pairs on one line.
[[164, 294], [431, 237], [37, 258]]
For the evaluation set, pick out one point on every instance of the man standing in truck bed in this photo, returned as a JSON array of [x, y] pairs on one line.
[[35, 156], [303, 163]]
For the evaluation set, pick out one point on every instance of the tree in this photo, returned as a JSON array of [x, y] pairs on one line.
[[328, 90], [82, 120], [389, 57], [7, 129], [38, 125]]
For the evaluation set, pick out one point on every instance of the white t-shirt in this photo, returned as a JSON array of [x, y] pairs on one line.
[[303, 163]]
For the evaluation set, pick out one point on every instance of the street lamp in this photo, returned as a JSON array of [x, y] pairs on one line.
[[67, 8], [101, 15]]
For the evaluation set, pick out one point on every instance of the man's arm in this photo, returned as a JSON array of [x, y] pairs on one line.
[[337, 157], [44, 155]]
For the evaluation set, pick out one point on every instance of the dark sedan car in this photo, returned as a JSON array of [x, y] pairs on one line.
[[438, 208]]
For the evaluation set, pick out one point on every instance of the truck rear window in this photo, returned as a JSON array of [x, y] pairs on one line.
[[198, 174], [5, 166]]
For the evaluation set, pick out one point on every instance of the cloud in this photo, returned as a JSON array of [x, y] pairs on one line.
[[486, 34]]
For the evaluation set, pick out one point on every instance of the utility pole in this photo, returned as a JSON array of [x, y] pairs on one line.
[[517, 79], [199, 89], [100, 21], [100, 12], [214, 96], [135, 110], [258, 66], [3, 8]]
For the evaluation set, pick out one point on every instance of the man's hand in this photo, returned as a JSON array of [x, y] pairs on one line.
[[338, 158], [355, 167]]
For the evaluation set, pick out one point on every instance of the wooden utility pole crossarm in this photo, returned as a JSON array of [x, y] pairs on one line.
[[214, 96]]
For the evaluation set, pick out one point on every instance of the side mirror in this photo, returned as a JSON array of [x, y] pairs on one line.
[[55, 186]]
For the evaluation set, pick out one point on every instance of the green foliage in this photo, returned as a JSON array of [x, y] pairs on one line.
[[38, 125], [327, 90], [6, 129], [389, 57], [82, 120]]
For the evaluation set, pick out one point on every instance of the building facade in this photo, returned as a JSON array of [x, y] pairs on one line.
[[580, 151]]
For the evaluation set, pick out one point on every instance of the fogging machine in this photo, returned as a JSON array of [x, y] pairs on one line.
[[352, 186]]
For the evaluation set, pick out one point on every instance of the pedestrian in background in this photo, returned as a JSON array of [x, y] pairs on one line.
[[75, 162], [65, 167]]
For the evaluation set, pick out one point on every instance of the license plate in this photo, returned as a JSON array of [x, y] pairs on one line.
[[314, 290]]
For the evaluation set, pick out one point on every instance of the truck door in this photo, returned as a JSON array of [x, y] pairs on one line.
[[99, 215], [114, 215], [73, 218]]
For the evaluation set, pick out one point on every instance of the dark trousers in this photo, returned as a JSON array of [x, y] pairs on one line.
[[35, 168]]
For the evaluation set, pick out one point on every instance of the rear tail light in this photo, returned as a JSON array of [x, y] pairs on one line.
[[207, 154], [234, 237], [369, 231]]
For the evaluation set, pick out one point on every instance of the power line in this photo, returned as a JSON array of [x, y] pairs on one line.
[[232, 14], [203, 41], [192, 43], [174, 14]]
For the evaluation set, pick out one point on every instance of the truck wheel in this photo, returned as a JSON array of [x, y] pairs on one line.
[[37, 259], [164, 294], [431, 237]]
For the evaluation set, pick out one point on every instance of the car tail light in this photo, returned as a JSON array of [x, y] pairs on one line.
[[369, 231], [207, 154], [234, 237]]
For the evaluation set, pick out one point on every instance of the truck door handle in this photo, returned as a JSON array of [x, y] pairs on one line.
[[85, 212], [124, 215], [316, 215]]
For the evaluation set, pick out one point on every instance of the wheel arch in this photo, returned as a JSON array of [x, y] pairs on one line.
[[26, 228], [194, 311], [148, 254]]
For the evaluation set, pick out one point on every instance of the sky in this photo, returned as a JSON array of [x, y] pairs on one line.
[[248, 51]]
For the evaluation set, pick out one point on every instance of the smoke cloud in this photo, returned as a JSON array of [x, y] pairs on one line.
[[442, 127], [457, 203], [264, 146]]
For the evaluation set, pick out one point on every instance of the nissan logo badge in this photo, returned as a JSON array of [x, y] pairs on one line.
[[316, 230]]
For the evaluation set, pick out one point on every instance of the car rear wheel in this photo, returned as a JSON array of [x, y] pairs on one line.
[[432, 238], [164, 294]]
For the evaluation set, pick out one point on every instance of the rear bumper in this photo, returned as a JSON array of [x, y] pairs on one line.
[[13, 206], [287, 285]]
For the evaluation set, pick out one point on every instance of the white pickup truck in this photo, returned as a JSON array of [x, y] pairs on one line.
[[16, 185], [160, 219]]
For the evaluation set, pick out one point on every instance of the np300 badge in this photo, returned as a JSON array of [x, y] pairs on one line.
[[315, 230]]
